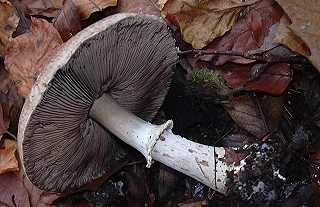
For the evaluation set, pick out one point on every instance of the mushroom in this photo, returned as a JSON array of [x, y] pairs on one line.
[[111, 77]]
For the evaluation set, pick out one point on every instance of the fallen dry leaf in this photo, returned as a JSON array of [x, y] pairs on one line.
[[200, 22], [47, 8], [274, 80], [52, 8], [8, 23], [8, 160], [24, 22], [12, 191], [273, 108], [10, 103], [305, 18], [68, 22], [4, 118], [16, 190], [27, 54], [245, 112], [249, 33], [87, 7], [139, 6], [286, 36]]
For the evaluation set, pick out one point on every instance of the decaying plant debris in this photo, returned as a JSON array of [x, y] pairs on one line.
[[245, 82]]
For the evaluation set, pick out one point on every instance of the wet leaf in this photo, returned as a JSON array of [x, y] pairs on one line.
[[200, 22], [139, 6], [8, 23], [305, 18], [27, 54], [274, 80], [249, 33], [245, 111], [68, 22], [8, 160], [87, 7]]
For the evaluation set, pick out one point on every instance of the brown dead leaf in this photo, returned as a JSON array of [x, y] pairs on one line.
[[305, 17], [245, 111], [27, 53], [200, 22], [87, 7], [47, 8], [287, 37], [139, 6], [12, 188], [52, 8], [10, 103], [16, 190], [4, 118], [249, 33], [68, 22], [8, 160], [24, 22], [274, 80], [8, 23]]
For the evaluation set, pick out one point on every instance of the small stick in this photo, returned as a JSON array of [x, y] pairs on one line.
[[264, 57]]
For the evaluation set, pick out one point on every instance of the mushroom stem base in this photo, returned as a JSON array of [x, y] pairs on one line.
[[204, 163]]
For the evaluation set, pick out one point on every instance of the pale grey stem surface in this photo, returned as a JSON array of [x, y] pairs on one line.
[[204, 163]]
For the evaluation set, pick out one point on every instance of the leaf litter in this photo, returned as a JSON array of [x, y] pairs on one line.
[[250, 87]]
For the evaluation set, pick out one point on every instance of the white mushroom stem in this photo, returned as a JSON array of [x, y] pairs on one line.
[[204, 163]]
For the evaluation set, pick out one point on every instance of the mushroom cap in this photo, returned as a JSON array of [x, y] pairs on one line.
[[128, 56]]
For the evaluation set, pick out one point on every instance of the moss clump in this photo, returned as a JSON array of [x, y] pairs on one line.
[[208, 78]]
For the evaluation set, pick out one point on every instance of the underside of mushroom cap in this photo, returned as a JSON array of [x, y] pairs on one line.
[[61, 147]]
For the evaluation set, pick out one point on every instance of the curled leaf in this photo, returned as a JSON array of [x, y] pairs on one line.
[[8, 160], [47, 8], [201, 22], [68, 22], [27, 54], [87, 7], [10, 103], [287, 37], [8, 23]]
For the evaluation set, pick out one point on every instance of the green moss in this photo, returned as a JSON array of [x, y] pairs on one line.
[[207, 78]]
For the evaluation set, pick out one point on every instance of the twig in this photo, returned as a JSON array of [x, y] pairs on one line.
[[264, 57]]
